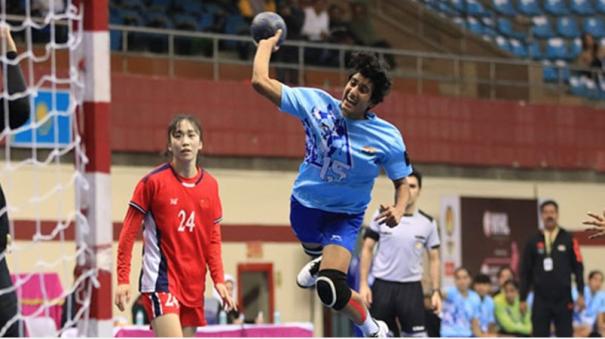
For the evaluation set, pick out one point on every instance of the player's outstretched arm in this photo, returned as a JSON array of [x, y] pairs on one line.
[[262, 83], [597, 223]]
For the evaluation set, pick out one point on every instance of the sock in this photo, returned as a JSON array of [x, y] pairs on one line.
[[369, 327]]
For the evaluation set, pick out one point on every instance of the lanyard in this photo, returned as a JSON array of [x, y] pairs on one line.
[[550, 239]]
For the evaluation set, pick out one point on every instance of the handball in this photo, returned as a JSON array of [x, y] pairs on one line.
[[265, 25]]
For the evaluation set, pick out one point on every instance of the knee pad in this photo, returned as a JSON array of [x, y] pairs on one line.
[[332, 289]]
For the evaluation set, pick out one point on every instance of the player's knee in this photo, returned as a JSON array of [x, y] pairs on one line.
[[332, 289]]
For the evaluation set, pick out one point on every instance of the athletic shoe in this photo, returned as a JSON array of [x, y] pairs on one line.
[[383, 330], [308, 274]]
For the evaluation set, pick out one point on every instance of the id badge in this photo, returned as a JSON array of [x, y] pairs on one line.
[[548, 264]]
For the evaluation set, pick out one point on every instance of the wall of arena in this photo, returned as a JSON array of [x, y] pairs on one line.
[[258, 201]]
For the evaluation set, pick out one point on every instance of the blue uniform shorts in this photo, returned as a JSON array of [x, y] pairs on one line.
[[311, 225]]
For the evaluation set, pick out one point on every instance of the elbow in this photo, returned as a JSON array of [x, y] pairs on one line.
[[259, 84]]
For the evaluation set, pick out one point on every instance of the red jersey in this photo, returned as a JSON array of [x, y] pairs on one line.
[[181, 234]]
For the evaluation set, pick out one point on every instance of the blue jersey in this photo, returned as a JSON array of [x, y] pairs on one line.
[[486, 313], [459, 312], [595, 304], [343, 156]]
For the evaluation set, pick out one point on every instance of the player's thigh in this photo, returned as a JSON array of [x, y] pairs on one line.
[[167, 325], [410, 309], [341, 229], [335, 257], [306, 223]]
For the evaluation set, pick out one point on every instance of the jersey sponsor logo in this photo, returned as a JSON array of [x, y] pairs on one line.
[[174, 201], [562, 248], [204, 203], [418, 245], [332, 152]]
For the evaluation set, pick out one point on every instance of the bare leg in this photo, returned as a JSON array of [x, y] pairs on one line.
[[167, 325], [189, 331]]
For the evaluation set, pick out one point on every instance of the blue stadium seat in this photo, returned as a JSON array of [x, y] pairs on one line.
[[115, 40], [600, 6], [442, 7], [567, 27], [475, 8], [135, 5], [460, 22], [184, 21], [575, 48], [474, 25], [518, 48], [504, 44], [529, 7], [160, 5], [205, 22], [458, 5], [489, 30], [594, 26], [541, 28], [556, 49], [504, 7], [582, 7], [577, 87], [193, 7], [132, 18], [158, 20], [506, 28], [534, 50], [556, 7], [549, 72]]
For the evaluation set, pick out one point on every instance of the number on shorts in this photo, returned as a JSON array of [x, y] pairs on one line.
[[186, 222], [171, 301]]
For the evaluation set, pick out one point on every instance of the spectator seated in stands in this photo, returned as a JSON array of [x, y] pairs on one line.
[[363, 30], [588, 57], [589, 322], [460, 308], [233, 316], [508, 314], [340, 33], [250, 8], [487, 323], [294, 17], [316, 26]]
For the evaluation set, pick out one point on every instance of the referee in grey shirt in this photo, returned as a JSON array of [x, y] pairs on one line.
[[397, 292]]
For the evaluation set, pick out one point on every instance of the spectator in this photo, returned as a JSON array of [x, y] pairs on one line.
[[505, 273], [316, 26], [461, 308], [508, 314], [588, 57], [362, 29], [549, 260], [233, 316], [585, 321], [250, 8], [487, 323], [294, 18]]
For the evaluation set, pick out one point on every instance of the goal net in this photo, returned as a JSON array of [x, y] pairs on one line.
[[42, 172]]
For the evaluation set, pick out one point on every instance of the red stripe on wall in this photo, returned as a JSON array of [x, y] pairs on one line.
[[26, 229], [97, 123], [582, 239]]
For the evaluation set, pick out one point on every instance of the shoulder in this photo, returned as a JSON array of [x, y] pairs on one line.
[[157, 173], [385, 124], [209, 179], [426, 216]]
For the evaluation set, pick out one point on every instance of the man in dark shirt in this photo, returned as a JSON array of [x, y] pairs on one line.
[[17, 115], [550, 259]]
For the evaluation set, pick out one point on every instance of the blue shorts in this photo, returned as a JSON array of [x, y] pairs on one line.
[[311, 225]]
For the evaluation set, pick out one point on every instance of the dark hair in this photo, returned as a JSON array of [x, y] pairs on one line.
[[482, 279], [174, 124], [512, 282], [593, 273], [418, 177], [461, 268], [505, 268], [549, 202], [376, 70]]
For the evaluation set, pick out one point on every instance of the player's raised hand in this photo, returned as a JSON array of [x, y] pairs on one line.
[[228, 302], [598, 225], [389, 215], [273, 41], [122, 298]]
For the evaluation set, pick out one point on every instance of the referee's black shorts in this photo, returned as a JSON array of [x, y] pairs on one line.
[[393, 301]]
